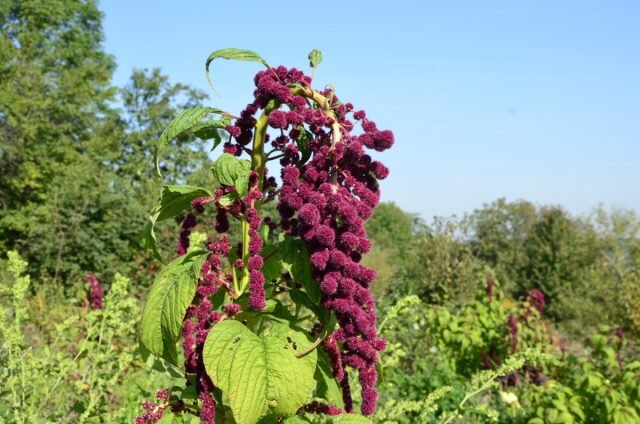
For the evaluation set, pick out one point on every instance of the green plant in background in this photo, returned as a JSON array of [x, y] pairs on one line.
[[15, 374], [601, 387], [483, 381], [108, 336], [465, 350], [78, 375]]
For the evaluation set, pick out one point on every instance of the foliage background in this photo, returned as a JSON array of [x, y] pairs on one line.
[[76, 186]]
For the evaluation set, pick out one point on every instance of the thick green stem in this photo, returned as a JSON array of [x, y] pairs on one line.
[[325, 104], [258, 158], [258, 161], [244, 279]]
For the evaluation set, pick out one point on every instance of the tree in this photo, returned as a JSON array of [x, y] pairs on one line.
[[394, 253], [54, 86], [74, 187], [499, 232]]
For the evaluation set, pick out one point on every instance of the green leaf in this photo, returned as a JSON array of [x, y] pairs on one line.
[[315, 58], [171, 294], [174, 199], [326, 385], [229, 170], [210, 130], [149, 238], [216, 140], [303, 143], [232, 54], [260, 374], [295, 259], [301, 298], [165, 367], [296, 419], [169, 417], [272, 268], [242, 183], [189, 393], [186, 120]]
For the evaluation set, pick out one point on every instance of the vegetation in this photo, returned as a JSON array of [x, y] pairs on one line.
[[514, 312]]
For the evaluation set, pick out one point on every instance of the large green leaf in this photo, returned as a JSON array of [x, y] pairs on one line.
[[232, 54], [272, 268], [295, 259], [171, 294], [174, 200], [260, 374], [326, 385], [230, 170], [296, 419], [187, 120], [300, 298]]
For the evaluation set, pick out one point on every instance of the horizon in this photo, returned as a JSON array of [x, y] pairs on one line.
[[529, 101]]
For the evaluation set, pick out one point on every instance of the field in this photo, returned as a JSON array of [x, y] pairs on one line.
[[146, 277]]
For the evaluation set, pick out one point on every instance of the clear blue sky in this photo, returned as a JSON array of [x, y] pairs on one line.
[[535, 100]]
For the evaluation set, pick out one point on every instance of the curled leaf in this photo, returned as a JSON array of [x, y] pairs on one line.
[[232, 54]]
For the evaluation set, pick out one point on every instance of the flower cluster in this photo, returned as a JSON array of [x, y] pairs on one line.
[[271, 84], [326, 202], [255, 262], [199, 319], [316, 407], [335, 356], [96, 293], [535, 297], [188, 224], [489, 289], [491, 359], [152, 411]]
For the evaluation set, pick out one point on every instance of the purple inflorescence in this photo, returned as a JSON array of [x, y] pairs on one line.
[[231, 309], [152, 411], [335, 356], [490, 284], [326, 201], [536, 298], [96, 293], [208, 410], [199, 319], [183, 240], [257, 298], [316, 407], [189, 223]]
